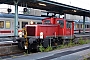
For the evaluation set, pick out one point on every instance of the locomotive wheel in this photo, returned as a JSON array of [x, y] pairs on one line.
[[21, 45], [32, 47]]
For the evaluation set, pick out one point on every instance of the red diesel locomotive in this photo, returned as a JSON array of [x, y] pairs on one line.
[[52, 31]]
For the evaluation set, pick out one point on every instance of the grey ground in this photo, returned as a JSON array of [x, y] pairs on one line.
[[73, 53]]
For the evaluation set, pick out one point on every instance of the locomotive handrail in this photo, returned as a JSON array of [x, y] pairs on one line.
[[24, 32], [25, 36]]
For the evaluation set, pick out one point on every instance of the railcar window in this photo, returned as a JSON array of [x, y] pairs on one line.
[[1, 24], [18, 23], [88, 26], [77, 25], [7, 23], [47, 22], [81, 25], [24, 23], [68, 24], [85, 26], [61, 22]]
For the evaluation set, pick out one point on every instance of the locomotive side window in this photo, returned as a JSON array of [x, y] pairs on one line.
[[68, 24], [24, 23], [1, 24], [47, 22], [7, 23], [61, 22]]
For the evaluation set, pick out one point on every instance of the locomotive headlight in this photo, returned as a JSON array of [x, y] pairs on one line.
[[41, 35], [31, 22]]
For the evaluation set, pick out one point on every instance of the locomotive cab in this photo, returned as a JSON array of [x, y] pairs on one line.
[[65, 27]]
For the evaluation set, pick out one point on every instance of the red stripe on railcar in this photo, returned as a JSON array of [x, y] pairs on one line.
[[8, 31], [5, 31]]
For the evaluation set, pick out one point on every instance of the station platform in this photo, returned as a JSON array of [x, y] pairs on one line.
[[77, 35]]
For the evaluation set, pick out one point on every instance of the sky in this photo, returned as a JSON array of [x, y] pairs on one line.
[[85, 4]]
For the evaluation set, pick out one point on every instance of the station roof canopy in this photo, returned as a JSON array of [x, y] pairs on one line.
[[51, 6]]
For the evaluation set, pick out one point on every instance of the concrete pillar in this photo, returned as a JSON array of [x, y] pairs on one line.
[[16, 19], [83, 24]]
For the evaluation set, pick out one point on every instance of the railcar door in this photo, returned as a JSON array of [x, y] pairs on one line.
[[12, 28]]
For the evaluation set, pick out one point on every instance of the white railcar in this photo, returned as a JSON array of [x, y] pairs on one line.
[[78, 26], [7, 23]]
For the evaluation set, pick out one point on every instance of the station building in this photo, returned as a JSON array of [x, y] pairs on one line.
[[36, 12]]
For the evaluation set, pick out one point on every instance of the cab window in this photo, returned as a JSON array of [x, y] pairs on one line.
[[68, 24], [61, 22], [1, 24]]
